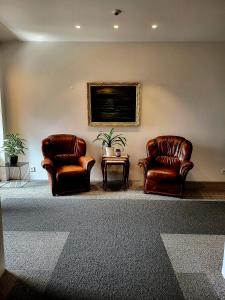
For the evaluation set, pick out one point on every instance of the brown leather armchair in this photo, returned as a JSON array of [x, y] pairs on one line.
[[65, 161], [166, 165]]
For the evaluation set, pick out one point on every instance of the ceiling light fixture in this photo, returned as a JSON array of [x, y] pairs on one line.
[[154, 26], [116, 26], [77, 26], [117, 12]]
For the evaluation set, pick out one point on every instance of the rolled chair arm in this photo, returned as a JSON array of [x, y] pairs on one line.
[[185, 167], [48, 164], [87, 162], [145, 163]]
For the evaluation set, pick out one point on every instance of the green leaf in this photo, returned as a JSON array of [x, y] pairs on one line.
[[13, 144], [109, 139]]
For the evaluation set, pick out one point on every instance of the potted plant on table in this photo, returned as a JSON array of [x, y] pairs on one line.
[[110, 139], [13, 145]]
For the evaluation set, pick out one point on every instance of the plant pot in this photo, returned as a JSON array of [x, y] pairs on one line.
[[13, 160], [109, 151]]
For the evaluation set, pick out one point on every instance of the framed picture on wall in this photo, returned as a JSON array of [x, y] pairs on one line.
[[113, 104]]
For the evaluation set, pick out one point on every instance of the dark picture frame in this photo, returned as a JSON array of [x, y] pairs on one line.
[[113, 103]]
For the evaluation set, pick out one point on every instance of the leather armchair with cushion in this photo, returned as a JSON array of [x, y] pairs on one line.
[[166, 165], [65, 161]]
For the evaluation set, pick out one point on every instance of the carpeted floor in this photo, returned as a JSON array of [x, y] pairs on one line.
[[40, 189], [69, 248]]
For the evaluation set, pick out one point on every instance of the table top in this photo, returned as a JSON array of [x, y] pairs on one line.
[[115, 160], [120, 158], [18, 165]]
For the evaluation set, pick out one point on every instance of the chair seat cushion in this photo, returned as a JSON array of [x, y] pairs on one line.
[[163, 174], [69, 171]]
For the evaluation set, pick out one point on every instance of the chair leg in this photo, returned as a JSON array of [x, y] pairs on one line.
[[53, 191], [182, 190]]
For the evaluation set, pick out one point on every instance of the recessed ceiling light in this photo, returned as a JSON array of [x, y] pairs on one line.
[[154, 26], [116, 26], [117, 12], [77, 26]]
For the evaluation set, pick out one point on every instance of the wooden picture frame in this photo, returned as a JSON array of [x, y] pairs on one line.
[[113, 104]]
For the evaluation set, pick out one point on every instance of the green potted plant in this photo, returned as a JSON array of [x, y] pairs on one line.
[[13, 145], [110, 139]]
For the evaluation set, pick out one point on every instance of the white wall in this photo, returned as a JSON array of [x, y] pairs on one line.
[[1, 233], [183, 93], [1, 245], [3, 173], [2, 156]]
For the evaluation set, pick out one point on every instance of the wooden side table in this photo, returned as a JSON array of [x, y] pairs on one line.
[[113, 160]]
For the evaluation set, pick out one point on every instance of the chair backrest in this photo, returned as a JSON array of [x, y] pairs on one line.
[[63, 147], [170, 150]]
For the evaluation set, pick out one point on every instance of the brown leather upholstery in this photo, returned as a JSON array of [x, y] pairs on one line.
[[65, 161], [166, 165]]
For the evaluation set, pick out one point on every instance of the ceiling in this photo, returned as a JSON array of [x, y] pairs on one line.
[[55, 20], [6, 34]]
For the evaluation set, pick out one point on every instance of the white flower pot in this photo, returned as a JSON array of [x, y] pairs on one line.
[[109, 151]]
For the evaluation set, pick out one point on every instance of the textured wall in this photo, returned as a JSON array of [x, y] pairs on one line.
[[183, 93], [1, 137], [2, 121], [1, 245]]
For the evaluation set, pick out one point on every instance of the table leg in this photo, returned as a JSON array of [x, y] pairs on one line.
[[9, 173], [128, 171], [105, 170], [124, 176], [20, 177], [103, 175]]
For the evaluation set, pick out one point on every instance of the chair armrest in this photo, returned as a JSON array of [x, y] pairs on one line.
[[87, 162], [185, 167], [145, 163], [47, 164]]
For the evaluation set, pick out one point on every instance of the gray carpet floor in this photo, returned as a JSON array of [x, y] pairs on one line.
[[41, 189], [69, 248]]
